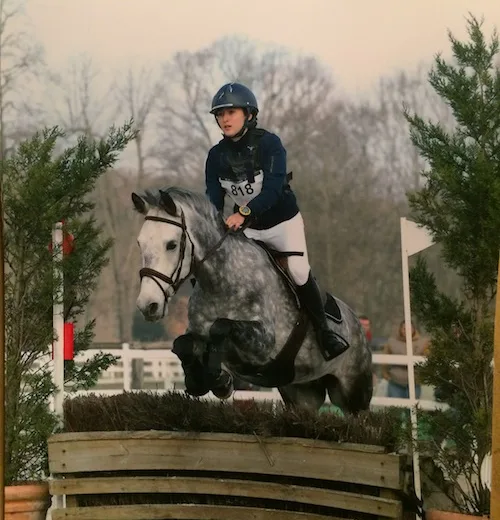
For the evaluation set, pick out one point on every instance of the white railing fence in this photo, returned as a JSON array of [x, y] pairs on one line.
[[162, 371]]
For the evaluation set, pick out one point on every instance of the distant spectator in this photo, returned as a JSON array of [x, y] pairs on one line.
[[367, 326], [397, 375]]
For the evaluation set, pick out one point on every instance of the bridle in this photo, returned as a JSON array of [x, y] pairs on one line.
[[175, 280]]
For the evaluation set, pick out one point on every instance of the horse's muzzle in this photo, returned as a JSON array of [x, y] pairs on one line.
[[152, 310]]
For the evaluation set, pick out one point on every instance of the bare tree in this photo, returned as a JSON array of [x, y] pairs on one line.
[[86, 101], [116, 294], [391, 148], [80, 99], [288, 87], [136, 97], [21, 62], [183, 126], [385, 165]]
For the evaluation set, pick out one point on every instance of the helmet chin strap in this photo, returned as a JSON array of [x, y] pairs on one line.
[[244, 128]]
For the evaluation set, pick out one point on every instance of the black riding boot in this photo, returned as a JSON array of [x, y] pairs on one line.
[[331, 344]]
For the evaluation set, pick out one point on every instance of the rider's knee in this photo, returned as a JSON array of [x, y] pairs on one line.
[[299, 269]]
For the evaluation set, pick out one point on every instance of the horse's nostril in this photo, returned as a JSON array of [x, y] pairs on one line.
[[152, 308]]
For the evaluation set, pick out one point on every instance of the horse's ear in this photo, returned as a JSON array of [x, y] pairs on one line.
[[167, 203], [139, 203]]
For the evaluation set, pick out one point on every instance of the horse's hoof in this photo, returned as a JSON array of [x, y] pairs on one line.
[[195, 387], [221, 328], [196, 391], [224, 387]]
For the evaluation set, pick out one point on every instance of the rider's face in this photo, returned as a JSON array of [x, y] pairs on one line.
[[231, 120]]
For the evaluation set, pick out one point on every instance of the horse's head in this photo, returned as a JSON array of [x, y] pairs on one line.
[[167, 252]]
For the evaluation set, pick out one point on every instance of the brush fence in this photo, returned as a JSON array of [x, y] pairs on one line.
[[157, 475]]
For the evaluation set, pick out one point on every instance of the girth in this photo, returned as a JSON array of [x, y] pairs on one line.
[[281, 370]]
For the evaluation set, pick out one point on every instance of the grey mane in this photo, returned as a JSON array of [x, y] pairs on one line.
[[209, 222], [190, 200]]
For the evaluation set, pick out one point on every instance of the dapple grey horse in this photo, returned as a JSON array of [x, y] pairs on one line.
[[243, 315]]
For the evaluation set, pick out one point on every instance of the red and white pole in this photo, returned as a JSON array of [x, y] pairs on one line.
[[63, 346], [58, 319]]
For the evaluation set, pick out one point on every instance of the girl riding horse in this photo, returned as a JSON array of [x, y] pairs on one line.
[[249, 165]]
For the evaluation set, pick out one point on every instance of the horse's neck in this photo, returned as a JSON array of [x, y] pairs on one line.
[[218, 263], [222, 264]]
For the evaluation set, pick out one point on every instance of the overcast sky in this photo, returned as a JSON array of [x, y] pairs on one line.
[[359, 39]]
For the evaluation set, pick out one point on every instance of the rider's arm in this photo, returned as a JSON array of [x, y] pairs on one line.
[[214, 190], [274, 168]]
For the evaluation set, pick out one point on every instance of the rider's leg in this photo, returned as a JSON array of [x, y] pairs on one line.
[[290, 236], [331, 345]]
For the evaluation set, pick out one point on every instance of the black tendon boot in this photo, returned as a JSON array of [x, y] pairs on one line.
[[331, 344]]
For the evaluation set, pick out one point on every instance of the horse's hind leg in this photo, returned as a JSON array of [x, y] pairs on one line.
[[335, 392], [309, 395], [360, 392], [351, 396]]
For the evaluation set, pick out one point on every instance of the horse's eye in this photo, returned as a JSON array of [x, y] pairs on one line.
[[171, 245]]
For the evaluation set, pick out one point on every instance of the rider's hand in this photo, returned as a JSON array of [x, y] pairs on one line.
[[235, 221]]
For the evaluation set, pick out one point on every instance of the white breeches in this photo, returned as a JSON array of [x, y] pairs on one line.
[[287, 236]]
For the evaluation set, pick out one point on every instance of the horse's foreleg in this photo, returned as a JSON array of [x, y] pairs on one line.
[[251, 338], [202, 365], [185, 347]]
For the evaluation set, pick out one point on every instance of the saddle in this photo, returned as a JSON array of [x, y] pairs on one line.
[[279, 261]]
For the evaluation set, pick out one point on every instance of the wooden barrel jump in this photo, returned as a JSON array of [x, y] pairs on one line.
[[152, 475]]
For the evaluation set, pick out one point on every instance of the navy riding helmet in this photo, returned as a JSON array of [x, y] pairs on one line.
[[236, 95]]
